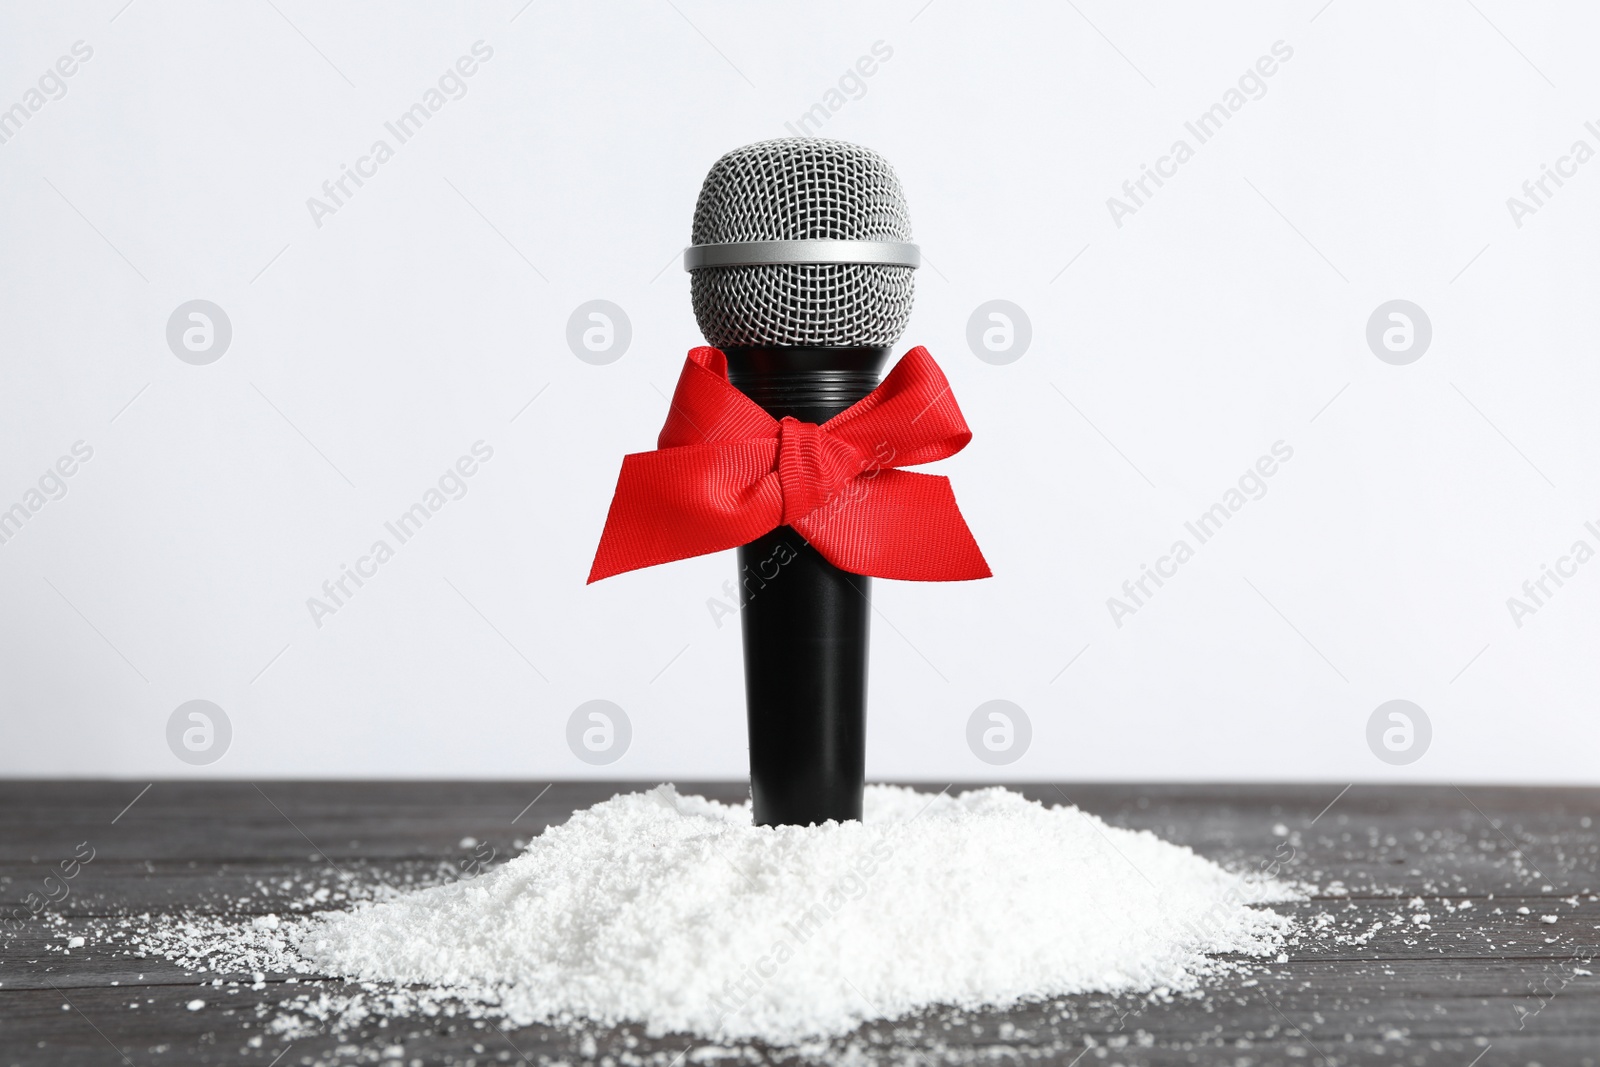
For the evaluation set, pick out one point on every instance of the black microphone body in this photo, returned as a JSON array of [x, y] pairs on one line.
[[805, 622]]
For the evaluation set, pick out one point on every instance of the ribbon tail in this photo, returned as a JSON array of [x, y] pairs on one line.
[[675, 503], [896, 524]]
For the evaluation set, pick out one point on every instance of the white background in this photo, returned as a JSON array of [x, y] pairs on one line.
[[369, 353]]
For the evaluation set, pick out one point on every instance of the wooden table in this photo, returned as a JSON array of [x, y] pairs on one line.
[[1486, 985]]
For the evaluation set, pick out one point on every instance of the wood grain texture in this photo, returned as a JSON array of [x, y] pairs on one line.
[[1477, 981]]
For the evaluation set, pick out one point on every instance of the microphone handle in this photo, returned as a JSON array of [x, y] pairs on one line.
[[805, 622]]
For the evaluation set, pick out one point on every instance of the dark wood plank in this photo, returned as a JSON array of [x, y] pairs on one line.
[[1479, 980], [1425, 1013]]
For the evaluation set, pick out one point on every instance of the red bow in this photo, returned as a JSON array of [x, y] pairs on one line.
[[725, 472]]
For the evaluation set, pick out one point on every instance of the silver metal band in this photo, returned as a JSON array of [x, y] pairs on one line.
[[746, 253]]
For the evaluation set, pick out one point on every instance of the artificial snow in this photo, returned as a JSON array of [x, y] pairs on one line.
[[678, 913]]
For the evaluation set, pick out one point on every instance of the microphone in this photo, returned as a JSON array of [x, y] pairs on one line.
[[801, 273]]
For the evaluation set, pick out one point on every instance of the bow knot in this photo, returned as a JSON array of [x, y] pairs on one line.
[[726, 472], [812, 467]]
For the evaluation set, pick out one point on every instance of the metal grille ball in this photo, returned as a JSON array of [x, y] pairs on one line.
[[799, 188]]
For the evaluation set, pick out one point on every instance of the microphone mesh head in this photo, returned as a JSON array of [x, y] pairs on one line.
[[791, 189]]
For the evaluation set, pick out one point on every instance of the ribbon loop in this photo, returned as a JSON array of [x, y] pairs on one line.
[[726, 472]]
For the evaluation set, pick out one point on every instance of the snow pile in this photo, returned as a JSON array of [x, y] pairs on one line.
[[677, 912]]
